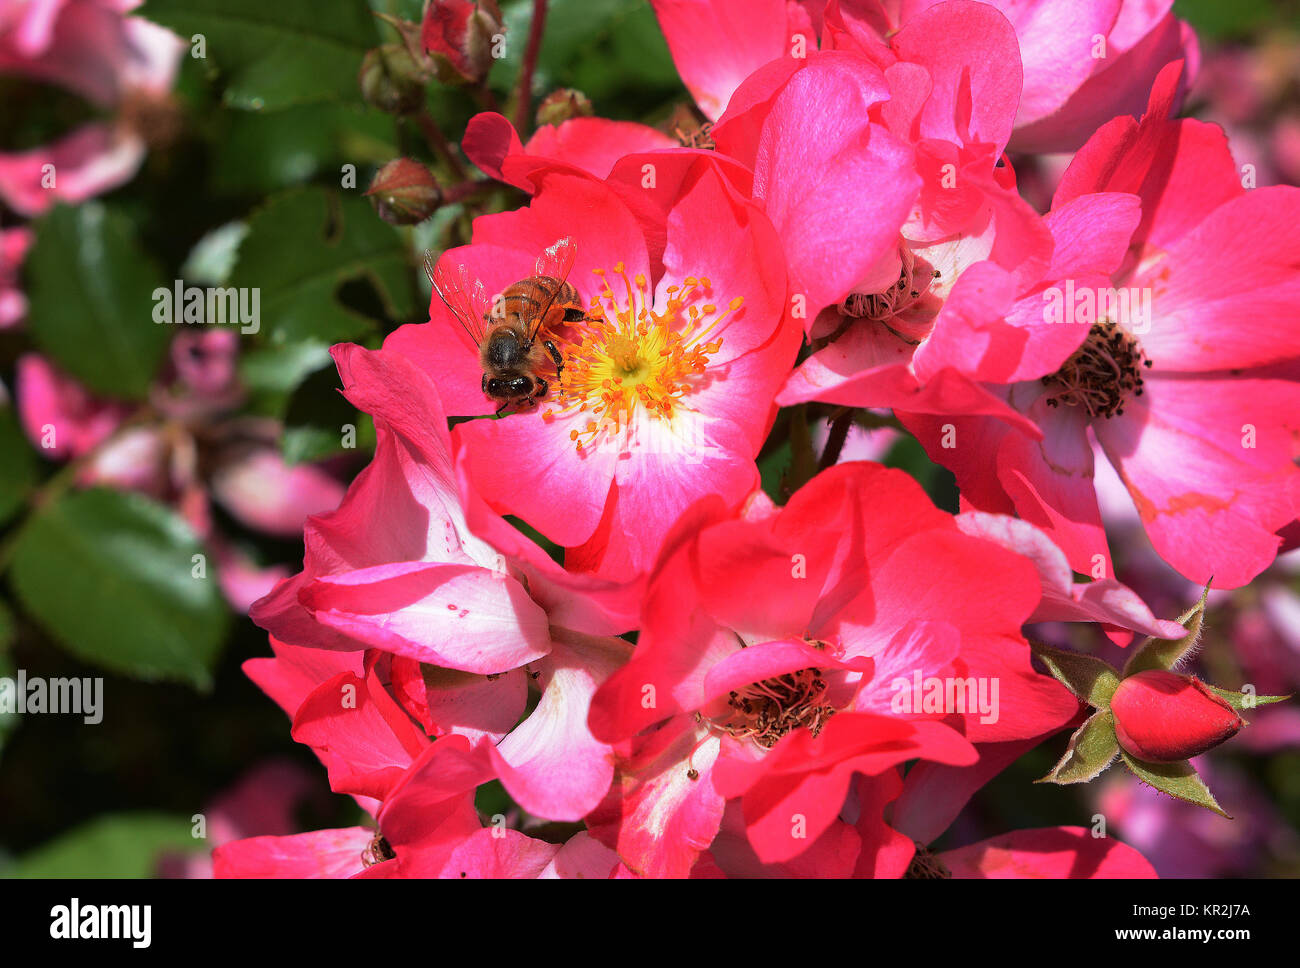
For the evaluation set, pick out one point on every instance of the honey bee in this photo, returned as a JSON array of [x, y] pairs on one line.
[[510, 331]]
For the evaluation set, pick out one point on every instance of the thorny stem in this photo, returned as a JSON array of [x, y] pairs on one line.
[[524, 91], [439, 144]]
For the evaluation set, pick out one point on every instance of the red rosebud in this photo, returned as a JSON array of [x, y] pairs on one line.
[[1162, 717], [461, 34], [404, 192]]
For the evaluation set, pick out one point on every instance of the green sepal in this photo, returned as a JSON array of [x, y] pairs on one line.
[[1089, 678], [1176, 779], [1164, 653], [1237, 700], [1093, 748]]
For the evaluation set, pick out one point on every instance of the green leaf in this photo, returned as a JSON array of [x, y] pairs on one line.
[[91, 290], [274, 55], [114, 845], [612, 50], [1176, 779], [8, 720], [263, 153], [1243, 702], [315, 418], [1092, 748], [18, 465], [109, 576], [1089, 678], [1164, 653], [301, 249], [213, 257]]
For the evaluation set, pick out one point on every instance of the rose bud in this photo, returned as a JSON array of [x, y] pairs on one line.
[[1162, 717], [563, 105], [462, 35], [391, 80], [404, 192]]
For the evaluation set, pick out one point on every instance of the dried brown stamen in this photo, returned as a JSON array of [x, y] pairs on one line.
[[926, 865], [767, 710], [914, 280], [1102, 374]]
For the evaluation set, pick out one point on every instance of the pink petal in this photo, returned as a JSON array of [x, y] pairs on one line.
[[581, 856], [1210, 504], [595, 144], [1051, 483], [88, 162], [1135, 54], [1105, 601], [268, 495], [500, 853], [550, 763], [1217, 305], [1049, 852], [452, 615], [317, 854], [359, 732], [716, 44], [973, 56], [57, 410], [660, 819]]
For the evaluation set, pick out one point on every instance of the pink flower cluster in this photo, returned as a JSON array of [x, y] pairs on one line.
[[817, 688], [122, 65], [187, 448]]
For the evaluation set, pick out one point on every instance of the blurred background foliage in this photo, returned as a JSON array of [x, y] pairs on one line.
[[251, 189]]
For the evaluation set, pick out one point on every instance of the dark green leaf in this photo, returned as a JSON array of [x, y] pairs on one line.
[[262, 153], [315, 418], [110, 576], [274, 55], [91, 290], [8, 720], [301, 249], [114, 845], [18, 465]]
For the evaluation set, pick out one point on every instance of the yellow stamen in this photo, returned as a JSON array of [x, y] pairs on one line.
[[627, 358]]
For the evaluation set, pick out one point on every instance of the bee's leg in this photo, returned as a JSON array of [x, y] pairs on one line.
[[556, 357], [542, 387], [503, 406]]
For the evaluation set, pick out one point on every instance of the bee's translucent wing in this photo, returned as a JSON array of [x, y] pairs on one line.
[[464, 297], [556, 262]]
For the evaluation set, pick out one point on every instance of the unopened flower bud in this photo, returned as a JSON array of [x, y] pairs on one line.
[[1162, 717], [391, 80], [463, 37], [404, 192], [562, 105]]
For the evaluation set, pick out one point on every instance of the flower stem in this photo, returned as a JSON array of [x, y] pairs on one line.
[[524, 90], [439, 144], [840, 425]]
